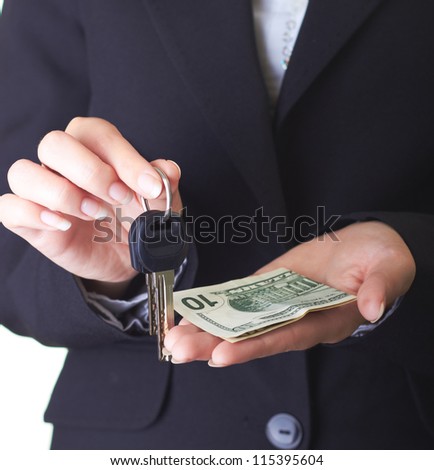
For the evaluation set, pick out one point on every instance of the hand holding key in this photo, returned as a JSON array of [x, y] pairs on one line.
[[88, 172], [158, 246]]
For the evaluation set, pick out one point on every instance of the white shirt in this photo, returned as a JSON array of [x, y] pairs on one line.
[[277, 25]]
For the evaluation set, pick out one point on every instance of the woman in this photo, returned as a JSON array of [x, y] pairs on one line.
[[348, 145]]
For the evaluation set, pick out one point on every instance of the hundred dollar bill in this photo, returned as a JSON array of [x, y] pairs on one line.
[[254, 305]]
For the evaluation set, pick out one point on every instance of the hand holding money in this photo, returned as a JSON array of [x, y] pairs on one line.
[[244, 308], [369, 259]]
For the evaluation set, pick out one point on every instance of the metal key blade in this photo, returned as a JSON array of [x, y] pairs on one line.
[[165, 315], [152, 303]]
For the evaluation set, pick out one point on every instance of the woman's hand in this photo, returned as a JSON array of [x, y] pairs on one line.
[[87, 173], [369, 259]]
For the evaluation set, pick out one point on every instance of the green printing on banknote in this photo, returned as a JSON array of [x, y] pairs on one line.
[[247, 307]]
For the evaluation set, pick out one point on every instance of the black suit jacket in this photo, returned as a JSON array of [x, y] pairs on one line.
[[352, 133]]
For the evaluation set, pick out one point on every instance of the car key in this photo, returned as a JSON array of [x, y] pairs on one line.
[[157, 247]]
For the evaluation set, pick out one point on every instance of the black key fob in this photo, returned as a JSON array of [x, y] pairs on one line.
[[157, 242]]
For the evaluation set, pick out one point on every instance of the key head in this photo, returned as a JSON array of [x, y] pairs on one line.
[[157, 244]]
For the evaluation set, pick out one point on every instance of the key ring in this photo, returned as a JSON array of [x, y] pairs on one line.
[[167, 188]]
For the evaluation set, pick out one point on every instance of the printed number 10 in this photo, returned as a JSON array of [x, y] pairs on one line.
[[197, 303]]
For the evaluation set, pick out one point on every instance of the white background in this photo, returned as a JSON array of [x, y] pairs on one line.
[[28, 372]]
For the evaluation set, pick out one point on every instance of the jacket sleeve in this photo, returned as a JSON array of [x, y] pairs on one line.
[[43, 85], [407, 335]]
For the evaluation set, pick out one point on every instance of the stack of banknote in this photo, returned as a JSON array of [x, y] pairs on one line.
[[254, 305]]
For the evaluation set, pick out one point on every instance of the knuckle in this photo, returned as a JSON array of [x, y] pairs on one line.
[[79, 125], [16, 172], [63, 197], [101, 134], [89, 173], [60, 197], [49, 144], [76, 123], [4, 204], [5, 199], [94, 173], [392, 252], [16, 219], [91, 176], [398, 257], [11, 215], [103, 124], [105, 138]]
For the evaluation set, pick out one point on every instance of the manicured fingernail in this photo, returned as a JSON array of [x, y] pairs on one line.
[[150, 185], [380, 313], [91, 208], [177, 166], [174, 361], [120, 193], [55, 220], [211, 363]]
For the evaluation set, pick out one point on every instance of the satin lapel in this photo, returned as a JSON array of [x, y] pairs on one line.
[[327, 26], [212, 47]]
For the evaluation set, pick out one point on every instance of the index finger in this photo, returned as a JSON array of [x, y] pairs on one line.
[[105, 140]]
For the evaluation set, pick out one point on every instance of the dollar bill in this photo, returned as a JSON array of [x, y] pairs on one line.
[[254, 305]]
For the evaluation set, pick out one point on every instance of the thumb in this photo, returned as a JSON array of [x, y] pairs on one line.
[[382, 286], [372, 296]]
